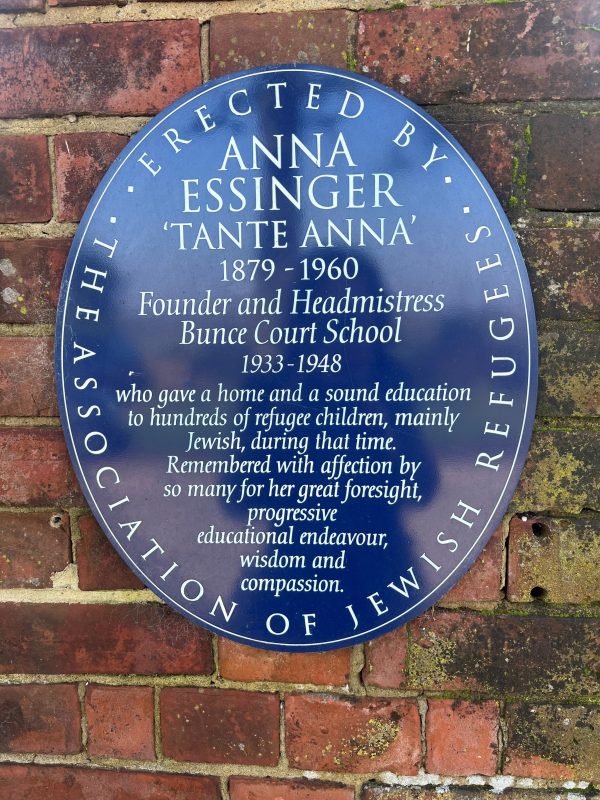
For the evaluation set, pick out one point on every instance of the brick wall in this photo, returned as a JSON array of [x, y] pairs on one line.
[[104, 692]]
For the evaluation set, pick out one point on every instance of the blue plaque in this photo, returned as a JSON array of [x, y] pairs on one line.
[[296, 358]]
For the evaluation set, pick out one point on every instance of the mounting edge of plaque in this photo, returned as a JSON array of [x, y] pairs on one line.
[[295, 145]]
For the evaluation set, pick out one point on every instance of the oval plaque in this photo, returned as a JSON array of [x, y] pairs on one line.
[[296, 358]]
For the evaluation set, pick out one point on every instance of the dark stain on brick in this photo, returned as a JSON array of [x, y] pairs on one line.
[[569, 382], [559, 735], [11, 723], [506, 654]]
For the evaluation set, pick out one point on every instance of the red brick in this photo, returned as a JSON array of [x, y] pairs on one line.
[[353, 735], [492, 146], [40, 719], [220, 726], [505, 654], [462, 737], [27, 377], [31, 269], [81, 161], [98, 563], [385, 660], [33, 546], [240, 41], [35, 468], [478, 53], [21, 5], [553, 742], [240, 663], [560, 474], [554, 559], [25, 182], [74, 783], [120, 721], [483, 582], [563, 272], [564, 163], [141, 639], [116, 68], [265, 789]]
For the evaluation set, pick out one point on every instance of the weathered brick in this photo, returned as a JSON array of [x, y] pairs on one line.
[[563, 272], [33, 546], [27, 377], [25, 182], [483, 582], [120, 721], [135, 638], [116, 68], [31, 269], [375, 792], [240, 663], [478, 53], [564, 163], [353, 735], [40, 719], [553, 742], [21, 5], [220, 726], [99, 565], [240, 41], [266, 789], [491, 145], [554, 559], [569, 381], [35, 468], [385, 660], [81, 161], [74, 783], [462, 737], [505, 654], [560, 474]]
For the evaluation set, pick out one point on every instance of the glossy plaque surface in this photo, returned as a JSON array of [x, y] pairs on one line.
[[296, 358]]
